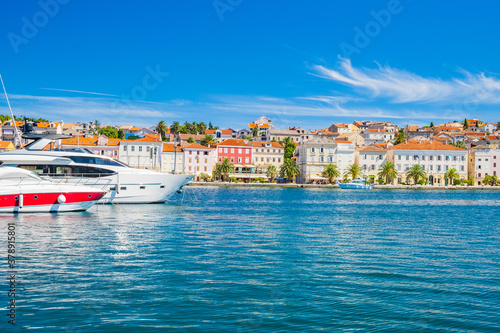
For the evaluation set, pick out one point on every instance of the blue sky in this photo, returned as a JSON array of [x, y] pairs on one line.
[[231, 61]]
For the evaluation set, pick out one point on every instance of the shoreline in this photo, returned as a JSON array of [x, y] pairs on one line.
[[374, 187]]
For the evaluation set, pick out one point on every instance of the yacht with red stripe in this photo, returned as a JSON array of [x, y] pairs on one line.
[[22, 191]]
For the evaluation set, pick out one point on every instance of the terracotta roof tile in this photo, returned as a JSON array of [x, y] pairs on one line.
[[425, 145]]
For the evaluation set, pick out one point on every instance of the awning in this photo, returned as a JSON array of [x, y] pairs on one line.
[[318, 177]]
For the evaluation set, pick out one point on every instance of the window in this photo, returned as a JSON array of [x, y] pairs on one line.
[[463, 158], [232, 150], [439, 168], [407, 157], [206, 160], [439, 157], [148, 149], [313, 150], [330, 158], [142, 187], [423, 157], [431, 158], [399, 157], [462, 168], [115, 153], [430, 167], [239, 159], [125, 148], [190, 152], [321, 150], [239, 151], [246, 160], [220, 150], [321, 159], [140, 148], [454, 158], [232, 159], [132, 148], [447, 158], [225, 150], [313, 158]]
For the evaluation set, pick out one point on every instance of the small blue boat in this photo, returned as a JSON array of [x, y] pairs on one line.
[[356, 184]]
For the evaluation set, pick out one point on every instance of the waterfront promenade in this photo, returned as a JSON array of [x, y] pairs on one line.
[[376, 187]]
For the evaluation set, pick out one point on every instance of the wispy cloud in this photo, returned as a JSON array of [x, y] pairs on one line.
[[404, 87], [79, 92]]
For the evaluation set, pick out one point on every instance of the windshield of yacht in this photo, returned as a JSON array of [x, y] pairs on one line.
[[96, 160]]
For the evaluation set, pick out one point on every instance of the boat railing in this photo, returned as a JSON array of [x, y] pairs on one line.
[[77, 179]]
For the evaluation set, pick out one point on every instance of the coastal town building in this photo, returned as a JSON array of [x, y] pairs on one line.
[[434, 156], [354, 137], [370, 159], [220, 135], [345, 155], [343, 128], [412, 132], [9, 131], [85, 130], [6, 145], [99, 145], [488, 127], [312, 157], [495, 162], [267, 153], [480, 163], [144, 153], [198, 159], [172, 158], [378, 135], [298, 135]]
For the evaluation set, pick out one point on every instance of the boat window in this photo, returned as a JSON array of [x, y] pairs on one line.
[[96, 160], [67, 170]]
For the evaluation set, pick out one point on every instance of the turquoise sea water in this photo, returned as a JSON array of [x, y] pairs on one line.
[[262, 260]]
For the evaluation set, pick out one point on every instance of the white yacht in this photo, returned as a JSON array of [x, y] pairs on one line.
[[358, 184], [123, 184]]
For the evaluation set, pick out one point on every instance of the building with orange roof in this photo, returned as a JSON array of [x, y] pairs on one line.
[[480, 163], [9, 132], [220, 135], [238, 151], [434, 156], [488, 127], [370, 159], [143, 153], [296, 134], [315, 154], [6, 145], [99, 145], [265, 154], [172, 158], [377, 135], [198, 159], [343, 128], [414, 131], [78, 129]]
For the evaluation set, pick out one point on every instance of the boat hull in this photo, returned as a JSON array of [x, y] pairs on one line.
[[355, 186], [48, 202]]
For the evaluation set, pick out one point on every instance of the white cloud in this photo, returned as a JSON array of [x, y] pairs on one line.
[[405, 87]]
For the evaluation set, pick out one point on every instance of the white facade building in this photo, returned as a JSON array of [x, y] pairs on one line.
[[313, 156], [479, 163], [434, 156], [198, 159], [370, 159]]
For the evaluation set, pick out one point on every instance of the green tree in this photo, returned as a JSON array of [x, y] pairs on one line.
[[109, 131], [175, 127], [121, 135], [432, 125], [207, 140], [465, 123], [416, 172], [353, 170], [191, 140], [387, 172], [201, 127], [271, 173], [205, 177], [161, 128], [331, 171], [490, 180], [289, 169], [225, 168], [289, 147], [255, 131], [400, 137], [451, 174], [459, 144]]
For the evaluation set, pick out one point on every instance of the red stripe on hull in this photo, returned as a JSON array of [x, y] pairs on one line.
[[36, 199]]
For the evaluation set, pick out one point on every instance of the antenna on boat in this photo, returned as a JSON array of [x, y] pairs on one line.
[[11, 113]]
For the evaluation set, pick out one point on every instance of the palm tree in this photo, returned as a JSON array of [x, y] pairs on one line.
[[161, 128], [175, 127], [416, 172], [289, 169], [331, 171], [201, 127], [387, 172], [225, 168], [353, 170], [207, 140], [255, 131], [451, 174], [271, 173]]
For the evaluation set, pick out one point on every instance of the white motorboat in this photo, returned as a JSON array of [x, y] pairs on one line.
[[22, 191], [358, 184], [124, 184]]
